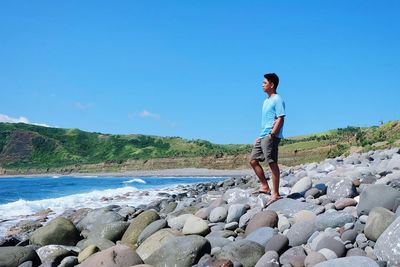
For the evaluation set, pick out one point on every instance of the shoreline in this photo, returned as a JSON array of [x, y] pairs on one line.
[[180, 172]]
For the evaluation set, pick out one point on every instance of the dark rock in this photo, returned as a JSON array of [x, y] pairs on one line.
[[180, 251], [332, 244], [59, 231], [278, 243], [14, 256], [371, 197]]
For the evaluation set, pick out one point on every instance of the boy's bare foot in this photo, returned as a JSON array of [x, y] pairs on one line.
[[272, 199]]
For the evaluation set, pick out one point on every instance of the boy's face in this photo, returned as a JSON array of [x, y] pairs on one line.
[[267, 86]]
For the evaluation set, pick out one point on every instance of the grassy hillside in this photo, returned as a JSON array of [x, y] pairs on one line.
[[25, 147]]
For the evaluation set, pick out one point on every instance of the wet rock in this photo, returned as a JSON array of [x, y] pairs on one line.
[[59, 231], [14, 256]]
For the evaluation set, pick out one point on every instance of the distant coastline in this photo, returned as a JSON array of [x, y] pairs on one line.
[[181, 172]]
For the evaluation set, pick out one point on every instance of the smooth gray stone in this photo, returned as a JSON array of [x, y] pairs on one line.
[[69, 261], [278, 243], [378, 220], [349, 235], [355, 261], [333, 219], [340, 188], [302, 185], [218, 214], [112, 231], [180, 251], [14, 256], [218, 241], [55, 253], [290, 207], [332, 244], [287, 256], [26, 264], [269, 259], [266, 218], [100, 216], [246, 252], [313, 258], [387, 245], [151, 229], [371, 197], [300, 232], [356, 252], [262, 235], [235, 211], [59, 231]]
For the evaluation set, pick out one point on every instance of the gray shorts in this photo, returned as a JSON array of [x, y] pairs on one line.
[[266, 148]]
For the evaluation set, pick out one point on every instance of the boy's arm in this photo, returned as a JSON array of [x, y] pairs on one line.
[[277, 125]]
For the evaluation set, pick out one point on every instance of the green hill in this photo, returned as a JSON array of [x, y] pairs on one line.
[[26, 145], [26, 148]]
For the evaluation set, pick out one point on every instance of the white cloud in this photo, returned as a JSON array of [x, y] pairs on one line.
[[21, 119], [80, 105], [147, 114]]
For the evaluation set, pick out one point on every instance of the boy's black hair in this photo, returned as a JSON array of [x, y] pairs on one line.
[[273, 78]]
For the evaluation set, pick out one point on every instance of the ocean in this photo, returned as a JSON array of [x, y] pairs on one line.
[[22, 197]]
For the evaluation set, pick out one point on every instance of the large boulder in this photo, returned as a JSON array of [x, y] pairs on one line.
[[387, 245], [300, 232], [99, 216], [112, 231], [267, 218], [243, 251], [333, 219], [14, 256], [340, 188], [371, 197], [378, 220], [138, 225], [195, 226], [59, 231], [302, 186], [156, 241], [116, 256], [151, 229], [235, 211], [180, 251], [262, 235]]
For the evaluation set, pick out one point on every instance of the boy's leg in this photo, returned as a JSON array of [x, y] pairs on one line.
[[275, 180], [264, 188]]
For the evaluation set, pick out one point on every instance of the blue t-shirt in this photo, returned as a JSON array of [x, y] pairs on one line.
[[273, 108]]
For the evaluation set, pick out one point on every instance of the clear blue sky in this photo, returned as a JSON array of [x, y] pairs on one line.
[[194, 68]]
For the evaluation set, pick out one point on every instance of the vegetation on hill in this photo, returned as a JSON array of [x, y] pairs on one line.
[[25, 146]]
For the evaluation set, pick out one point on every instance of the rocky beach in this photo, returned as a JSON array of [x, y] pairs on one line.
[[339, 212]]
